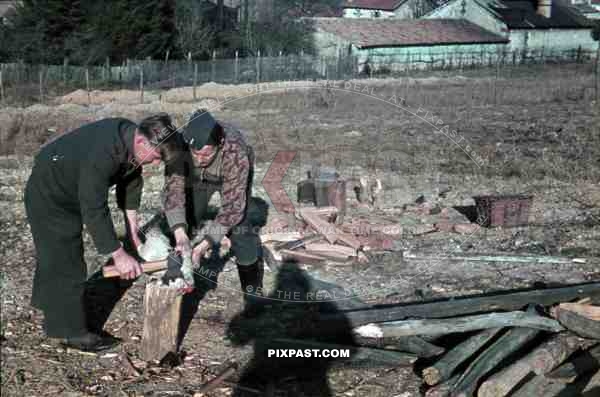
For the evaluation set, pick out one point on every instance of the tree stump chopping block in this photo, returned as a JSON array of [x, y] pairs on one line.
[[162, 311]]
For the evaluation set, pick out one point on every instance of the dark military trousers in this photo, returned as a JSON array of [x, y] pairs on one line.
[[60, 289], [245, 240]]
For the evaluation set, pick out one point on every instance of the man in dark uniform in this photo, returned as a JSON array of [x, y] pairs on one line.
[[214, 157], [68, 188]]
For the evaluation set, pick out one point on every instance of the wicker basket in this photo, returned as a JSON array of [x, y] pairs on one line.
[[503, 210]]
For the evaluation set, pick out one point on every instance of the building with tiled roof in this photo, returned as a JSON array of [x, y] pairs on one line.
[[540, 25]]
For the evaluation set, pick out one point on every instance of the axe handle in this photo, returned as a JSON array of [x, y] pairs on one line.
[[147, 267]]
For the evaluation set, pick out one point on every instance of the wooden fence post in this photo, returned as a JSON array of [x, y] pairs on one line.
[[195, 79], [1, 86], [108, 70], [236, 67], [141, 84], [64, 71], [258, 67], [87, 85], [213, 71], [597, 74]]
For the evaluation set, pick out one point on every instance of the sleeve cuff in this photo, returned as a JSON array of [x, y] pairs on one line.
[[175, 218]]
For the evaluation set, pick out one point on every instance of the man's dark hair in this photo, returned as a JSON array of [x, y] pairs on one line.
[[157, 128]]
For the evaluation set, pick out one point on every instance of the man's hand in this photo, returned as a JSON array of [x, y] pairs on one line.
[[204, 249], [127, 266], [200, 250], [182, 241]]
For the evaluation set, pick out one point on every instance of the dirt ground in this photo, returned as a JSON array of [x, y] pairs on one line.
[[521, 134]]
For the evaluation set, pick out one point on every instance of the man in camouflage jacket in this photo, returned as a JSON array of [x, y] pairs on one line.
[[214, 157]]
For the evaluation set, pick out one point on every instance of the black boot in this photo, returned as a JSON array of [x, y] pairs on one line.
[[251, 280], [90, 342]]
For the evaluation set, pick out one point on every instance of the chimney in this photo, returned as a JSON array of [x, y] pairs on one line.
[[544, 8]]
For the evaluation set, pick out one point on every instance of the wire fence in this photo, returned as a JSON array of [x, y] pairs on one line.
[[38, 83]]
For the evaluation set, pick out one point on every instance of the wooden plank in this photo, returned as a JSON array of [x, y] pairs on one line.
[[444, 368], [357, 354], [466, 324], [409, 344], [460, 306], [496, 258], [162, 310]]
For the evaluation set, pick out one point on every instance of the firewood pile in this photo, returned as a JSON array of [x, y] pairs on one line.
[[521, 343], [322, 234]]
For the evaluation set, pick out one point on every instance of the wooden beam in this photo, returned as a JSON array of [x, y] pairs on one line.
[[357, 354], [162, 310], [459, 306], [495, 258], [466, 324], [409, 344], [444, 368]]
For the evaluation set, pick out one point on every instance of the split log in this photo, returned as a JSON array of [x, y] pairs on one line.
[[348, 239], [330, 256], [301, 256], [321, 226], [443, 389], [334, 250], [510, 342], [280, 237], [466, 323], [587, 311], [540, 361], [578, 324], [358, 355], [295, 244], [459, 306], [327, 212], [328, 230], [587, 361], [409, 344], [162, 310], [442, 370], [497, 258]]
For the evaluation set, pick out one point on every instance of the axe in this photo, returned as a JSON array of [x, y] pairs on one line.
[[110, 271]]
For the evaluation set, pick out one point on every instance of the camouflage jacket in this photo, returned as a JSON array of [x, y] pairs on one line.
[[230, 173]]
